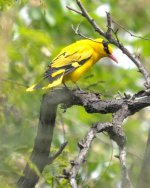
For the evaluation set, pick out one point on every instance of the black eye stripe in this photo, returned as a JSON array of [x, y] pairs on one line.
[[105, 44]]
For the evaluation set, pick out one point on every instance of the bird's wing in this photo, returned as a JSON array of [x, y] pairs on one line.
[[72, 53], [69, 59]]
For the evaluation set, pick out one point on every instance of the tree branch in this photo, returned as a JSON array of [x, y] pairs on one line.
[[85, 14], [114, 129], [92, 104], [126, 182], [84, 146], [53, 157], [117, 121], [109, 23]]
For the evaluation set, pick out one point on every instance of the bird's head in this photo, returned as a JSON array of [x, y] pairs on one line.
[[106, 49]]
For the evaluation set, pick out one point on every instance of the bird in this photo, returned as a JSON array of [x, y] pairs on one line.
[[73, 61]]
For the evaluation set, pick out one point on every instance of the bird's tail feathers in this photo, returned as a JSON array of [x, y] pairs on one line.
[[36, 86], [47, 83]]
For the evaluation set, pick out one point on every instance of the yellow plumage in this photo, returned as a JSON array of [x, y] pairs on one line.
[[73, 61]]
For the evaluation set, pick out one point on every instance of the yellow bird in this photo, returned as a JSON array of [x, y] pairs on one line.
[[73, 61]]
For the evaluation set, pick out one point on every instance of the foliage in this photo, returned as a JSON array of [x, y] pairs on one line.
[[32, 33]]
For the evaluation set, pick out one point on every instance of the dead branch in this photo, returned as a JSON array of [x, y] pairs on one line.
[[84, 146]]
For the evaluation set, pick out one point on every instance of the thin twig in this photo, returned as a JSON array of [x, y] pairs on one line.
[[85, 14], [52, 158], [77, 32], [74, 10], [132, 35], [116, 35], [109, 28]]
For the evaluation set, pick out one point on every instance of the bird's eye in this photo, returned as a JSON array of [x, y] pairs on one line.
[[105, 48]]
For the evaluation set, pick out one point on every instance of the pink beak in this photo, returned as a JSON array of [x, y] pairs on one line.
[[111, 56]]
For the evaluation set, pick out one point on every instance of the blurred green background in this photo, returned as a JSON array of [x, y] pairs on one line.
[[32, 32]]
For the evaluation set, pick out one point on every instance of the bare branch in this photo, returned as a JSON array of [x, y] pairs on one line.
[[92, 103], [120, 138], [74, 10], [84, 147], [139, 65], [114, 130], [126, 182], [89, 18], [132, 35], [77, 32], [116, 133], [109, 28], [144, 72]]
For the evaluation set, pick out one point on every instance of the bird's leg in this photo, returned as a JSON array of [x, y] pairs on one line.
[[65, 85], [77, 86]]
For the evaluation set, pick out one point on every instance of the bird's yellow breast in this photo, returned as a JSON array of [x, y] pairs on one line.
[[77, 73]]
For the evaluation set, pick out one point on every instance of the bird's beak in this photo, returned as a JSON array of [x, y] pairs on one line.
[[111, 56]]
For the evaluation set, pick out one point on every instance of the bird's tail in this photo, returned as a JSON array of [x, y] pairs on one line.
[[36, 86], [47, 82]]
